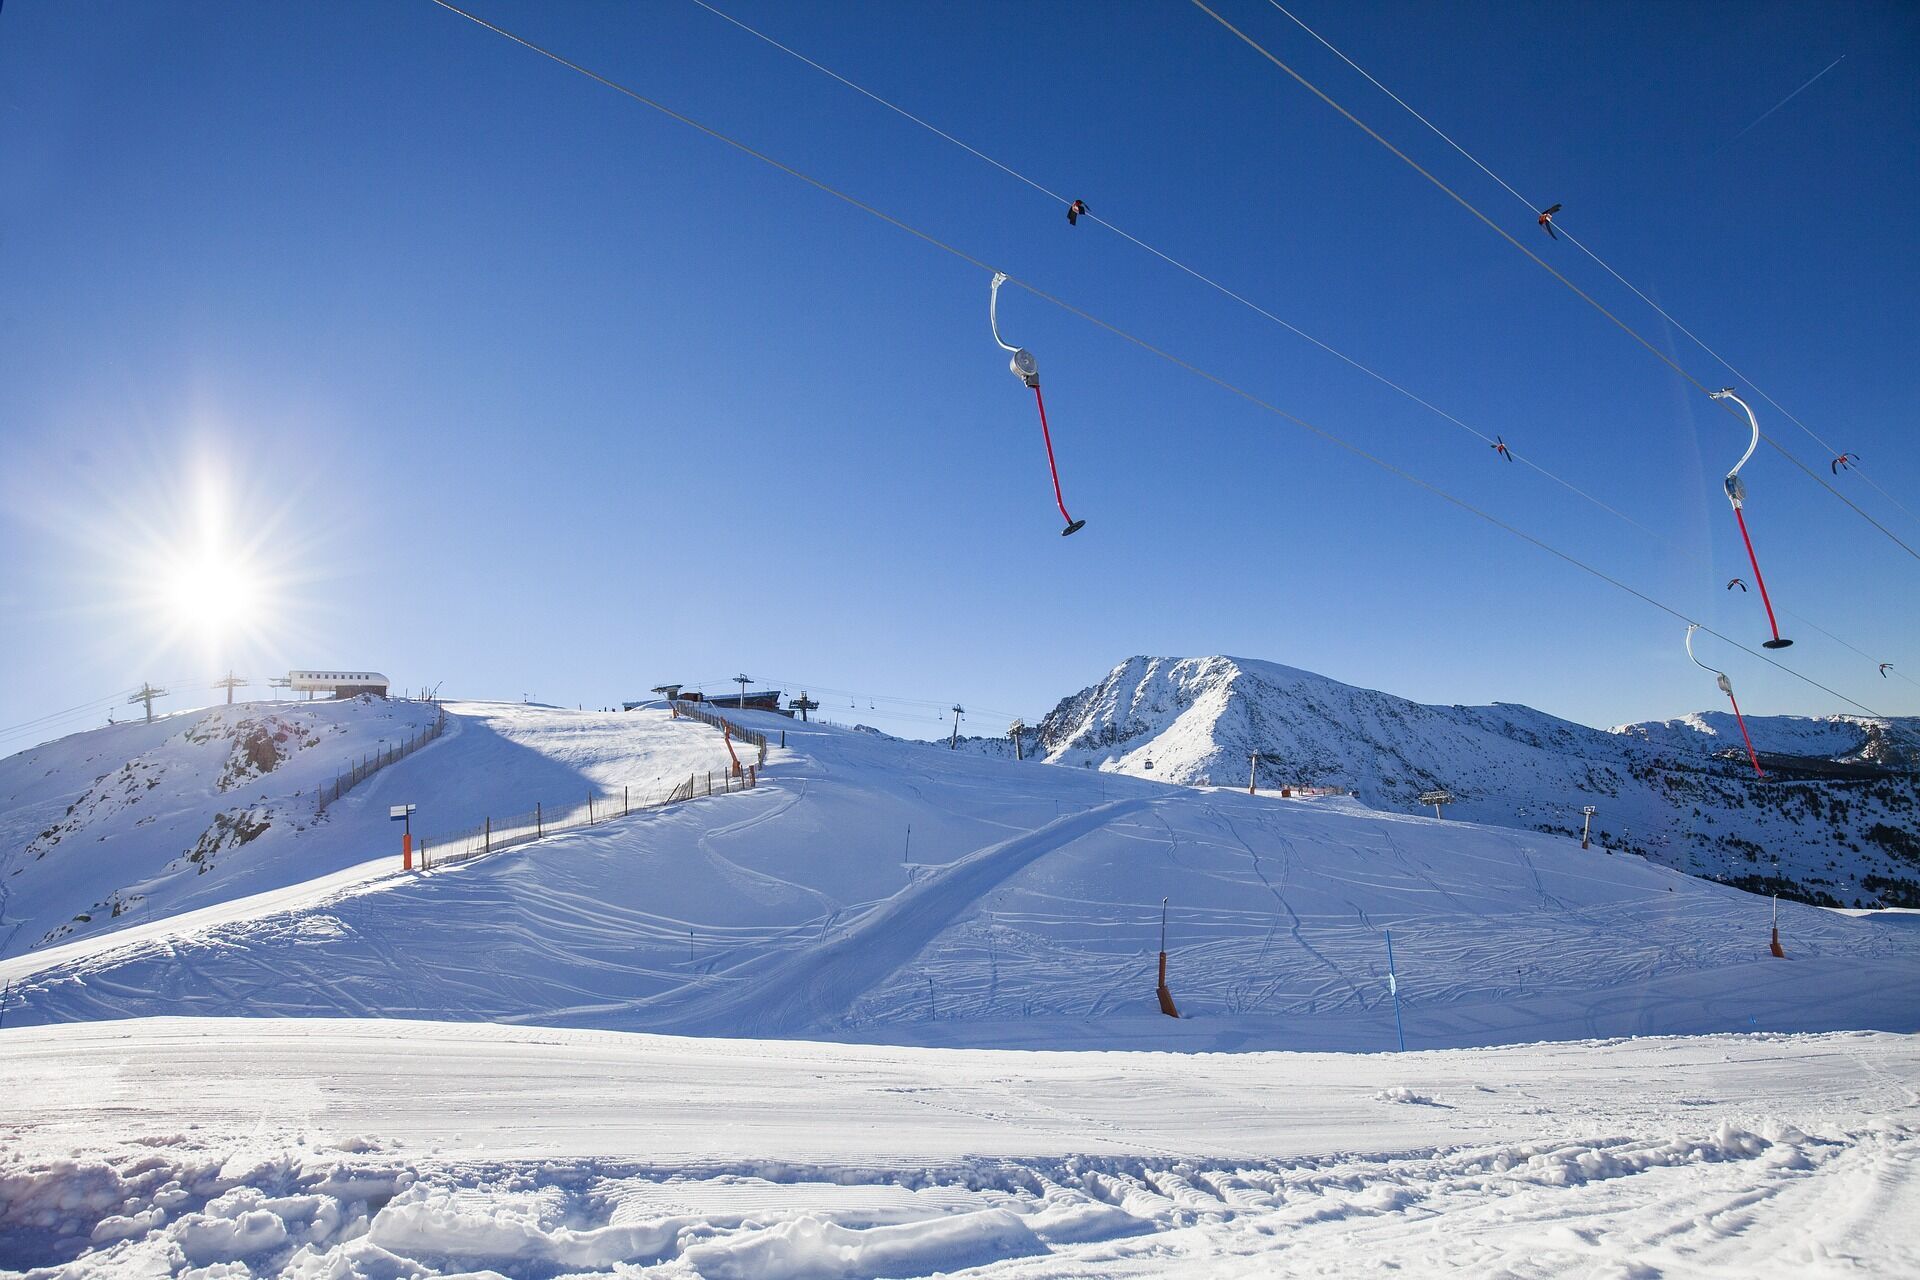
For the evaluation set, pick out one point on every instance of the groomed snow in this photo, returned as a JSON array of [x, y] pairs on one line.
[[1022, 911], [385, 1149]]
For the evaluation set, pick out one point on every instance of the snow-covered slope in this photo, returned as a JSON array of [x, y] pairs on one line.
[[881, 890], [1662, 790], [115, 827], [381, 1150]]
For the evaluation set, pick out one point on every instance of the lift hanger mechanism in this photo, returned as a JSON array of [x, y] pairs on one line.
[[1726, 687], [1737, 495], [1027, 369]]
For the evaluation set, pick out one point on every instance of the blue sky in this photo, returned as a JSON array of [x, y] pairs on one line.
[[500, 380]]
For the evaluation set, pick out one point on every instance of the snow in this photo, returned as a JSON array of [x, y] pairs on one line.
[[152, 797], [1026, 915], [1659, 788], [907, 997], [539, 1152]]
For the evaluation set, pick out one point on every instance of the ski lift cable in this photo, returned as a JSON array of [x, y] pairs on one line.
[[1603, 264], [1163, 354], [942, 706], [1542, 263], [82, 708], [1176, 263], [1237, 297]]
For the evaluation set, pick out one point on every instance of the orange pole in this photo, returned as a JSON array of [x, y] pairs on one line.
[[406, 852]]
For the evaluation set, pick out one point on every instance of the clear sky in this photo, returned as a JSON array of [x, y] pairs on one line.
[[352, 334]]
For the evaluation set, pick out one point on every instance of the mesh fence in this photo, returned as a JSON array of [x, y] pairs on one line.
[[753, 738], [370, 764], [504, 832]]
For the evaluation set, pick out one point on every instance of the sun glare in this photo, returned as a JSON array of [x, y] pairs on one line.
[[211, 578], [211, 592]]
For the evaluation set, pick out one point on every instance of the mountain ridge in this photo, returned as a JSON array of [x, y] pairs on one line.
[[1826, 826]]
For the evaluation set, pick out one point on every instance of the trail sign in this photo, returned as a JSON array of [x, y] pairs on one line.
[[404, 813]]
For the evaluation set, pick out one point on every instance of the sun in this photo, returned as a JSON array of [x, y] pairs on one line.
[[213, 592], [208, 580]]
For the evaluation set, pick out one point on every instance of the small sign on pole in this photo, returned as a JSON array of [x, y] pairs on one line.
[[1436, 798], [404, 813]]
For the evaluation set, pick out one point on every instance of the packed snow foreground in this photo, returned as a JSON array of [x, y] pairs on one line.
[[321, 1065]]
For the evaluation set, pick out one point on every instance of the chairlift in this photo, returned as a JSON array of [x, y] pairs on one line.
[[1027, 369]]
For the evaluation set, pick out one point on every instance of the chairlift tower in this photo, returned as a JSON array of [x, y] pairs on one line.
[[1436, 798], [802, 704], [953, 742], [1587, 826], [1014, 731], [743, 681], [146, 696], [230, 682]]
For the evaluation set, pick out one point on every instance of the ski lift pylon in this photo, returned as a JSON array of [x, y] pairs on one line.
[[1726, 687], [1737, 495], [1027, 369]]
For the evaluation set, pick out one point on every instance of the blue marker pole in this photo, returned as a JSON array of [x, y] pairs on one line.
[[1393, 985]]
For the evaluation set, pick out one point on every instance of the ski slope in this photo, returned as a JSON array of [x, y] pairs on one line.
[[385, 1149], [115, 828], [874, 890]]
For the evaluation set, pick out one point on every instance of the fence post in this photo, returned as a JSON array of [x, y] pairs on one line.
[[709, 782], [623, 802], [589, 808], [539, 824], [488, 848]]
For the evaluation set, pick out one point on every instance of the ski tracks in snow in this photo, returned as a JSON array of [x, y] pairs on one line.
[[820, 985]]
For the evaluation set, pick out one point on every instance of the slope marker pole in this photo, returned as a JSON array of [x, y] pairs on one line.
[[1393, 985]]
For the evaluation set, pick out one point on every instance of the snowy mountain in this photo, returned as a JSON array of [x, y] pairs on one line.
[[881, 890], [1832, 824]]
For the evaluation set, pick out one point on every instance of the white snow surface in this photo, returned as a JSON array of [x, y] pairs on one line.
[[319, 1148], [1021, 910], [107, 829], [1679, 791], [916, 1034]]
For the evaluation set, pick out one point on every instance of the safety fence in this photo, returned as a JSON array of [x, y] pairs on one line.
[[694, 711], [603, 806], [373, 763]]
